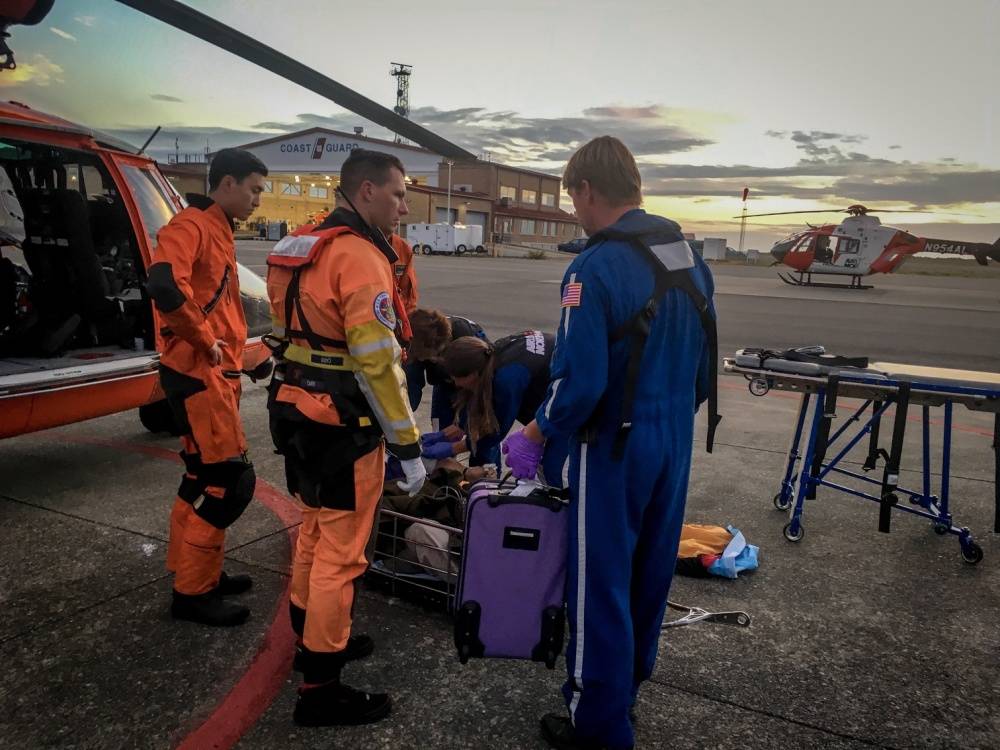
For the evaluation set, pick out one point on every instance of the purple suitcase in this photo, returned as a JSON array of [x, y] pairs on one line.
[[510, 600]]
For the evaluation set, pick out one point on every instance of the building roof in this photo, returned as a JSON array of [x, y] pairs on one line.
[[352, 136], [522, 170], [444, 191], [533, 213]]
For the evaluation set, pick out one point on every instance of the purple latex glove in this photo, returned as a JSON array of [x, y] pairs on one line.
[[437, 451], [432, 438], [523, 455]]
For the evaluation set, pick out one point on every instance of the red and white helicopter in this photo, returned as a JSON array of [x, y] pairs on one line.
[[859, 246]]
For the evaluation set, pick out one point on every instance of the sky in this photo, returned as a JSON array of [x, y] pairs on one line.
[[811, 105]]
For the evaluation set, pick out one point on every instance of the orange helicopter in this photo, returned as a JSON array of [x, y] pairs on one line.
[[859, 246], [79, 213]]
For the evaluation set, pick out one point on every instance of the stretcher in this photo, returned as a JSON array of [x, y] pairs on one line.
[[812, 460], [422, 566]]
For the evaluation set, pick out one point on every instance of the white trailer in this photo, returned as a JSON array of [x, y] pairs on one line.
[[445, 238], [713, 248]]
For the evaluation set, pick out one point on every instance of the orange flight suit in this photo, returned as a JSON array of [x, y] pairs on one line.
[[194, 283], [405, 272], [338, 394]]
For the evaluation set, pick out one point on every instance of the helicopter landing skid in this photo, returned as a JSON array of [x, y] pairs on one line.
[[805, 279]]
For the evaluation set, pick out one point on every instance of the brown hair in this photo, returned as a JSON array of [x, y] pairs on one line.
[[431, 334], [464, 356], [609, 167], [363, 166]]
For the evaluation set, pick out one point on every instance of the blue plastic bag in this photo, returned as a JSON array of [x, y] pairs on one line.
[[736, 557]]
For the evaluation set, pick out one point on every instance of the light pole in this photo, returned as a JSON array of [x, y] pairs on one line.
[[448, 210]]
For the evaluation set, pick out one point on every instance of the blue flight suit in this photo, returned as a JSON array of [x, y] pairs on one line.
[[520, 380], [626, 514]]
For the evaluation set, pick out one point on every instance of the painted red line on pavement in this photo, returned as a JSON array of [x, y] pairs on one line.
[[889, 412], [265, 677]]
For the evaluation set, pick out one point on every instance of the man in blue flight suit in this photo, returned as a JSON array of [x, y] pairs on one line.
[[634, 359]]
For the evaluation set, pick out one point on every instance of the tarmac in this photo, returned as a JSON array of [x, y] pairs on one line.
[[858, 639]]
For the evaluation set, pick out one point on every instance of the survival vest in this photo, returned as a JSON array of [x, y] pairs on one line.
[[533, 349], [668, 274], [325, 364]]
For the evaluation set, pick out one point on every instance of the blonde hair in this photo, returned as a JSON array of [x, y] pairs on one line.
[[609, 167]]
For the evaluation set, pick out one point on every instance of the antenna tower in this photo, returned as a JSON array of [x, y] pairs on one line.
[[401, 72]]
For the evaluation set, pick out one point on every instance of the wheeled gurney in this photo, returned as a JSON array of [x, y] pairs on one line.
[[879, 386]]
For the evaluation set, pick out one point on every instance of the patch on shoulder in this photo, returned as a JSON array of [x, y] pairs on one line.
[[572, 293], [384, 312]]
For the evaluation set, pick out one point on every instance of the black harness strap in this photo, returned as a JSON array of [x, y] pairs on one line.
[[873, 450], [823, 433], [890, 480], [292, 298], [218, 293], [638, 328]]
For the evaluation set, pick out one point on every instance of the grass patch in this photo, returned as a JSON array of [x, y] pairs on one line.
[[536, 255]]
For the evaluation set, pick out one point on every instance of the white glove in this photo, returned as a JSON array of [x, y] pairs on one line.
[[415, 473]]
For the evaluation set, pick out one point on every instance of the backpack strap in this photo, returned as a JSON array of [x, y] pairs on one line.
[[638, 326]]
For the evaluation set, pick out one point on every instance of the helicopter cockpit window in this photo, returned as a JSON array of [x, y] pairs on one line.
[[155, 207], [848, 246]]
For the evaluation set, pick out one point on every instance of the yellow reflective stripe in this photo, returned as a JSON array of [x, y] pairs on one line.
[[372, 346], [382, 381], [305, 356]]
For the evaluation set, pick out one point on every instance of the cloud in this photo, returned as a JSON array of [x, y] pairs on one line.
[[543, 143], [89, 21], [830, 169], [894, 147], [40, 71], [165, 98], [61, 33]]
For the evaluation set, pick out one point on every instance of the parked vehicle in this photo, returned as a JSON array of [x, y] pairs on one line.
[[452, 239]]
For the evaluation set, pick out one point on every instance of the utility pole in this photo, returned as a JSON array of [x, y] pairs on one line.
[[401, 72], [743, 218], [448, 210]]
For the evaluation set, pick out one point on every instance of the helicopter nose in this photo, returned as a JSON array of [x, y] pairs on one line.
[[779, 253]]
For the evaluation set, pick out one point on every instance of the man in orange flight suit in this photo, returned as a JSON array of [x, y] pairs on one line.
[[337, 401], [194, 284], [406, 274]]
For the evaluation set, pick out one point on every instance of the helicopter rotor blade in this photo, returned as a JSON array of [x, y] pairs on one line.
[[214, 32], [786, 213]]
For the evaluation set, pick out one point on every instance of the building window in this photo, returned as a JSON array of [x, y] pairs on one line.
[[527, 226], [528, 197], [548, 199], [315, 191], [508, 191], [290, 188], [268, 186]]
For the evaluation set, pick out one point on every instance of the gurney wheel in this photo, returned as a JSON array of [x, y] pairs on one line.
[[787, 531], [972, 553], [781, 504], [941, 528]]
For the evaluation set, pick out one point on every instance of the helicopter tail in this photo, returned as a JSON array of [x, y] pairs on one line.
[[988, 251]]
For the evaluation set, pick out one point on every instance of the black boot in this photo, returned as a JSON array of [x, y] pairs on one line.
[[558, 731], [334, 704], [232, 585], [324, 701], [208, 609]]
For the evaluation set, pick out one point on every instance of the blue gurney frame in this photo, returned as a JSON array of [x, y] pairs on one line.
[[878, 393]]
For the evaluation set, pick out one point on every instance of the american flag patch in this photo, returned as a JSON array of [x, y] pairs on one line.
[[571, 294]]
